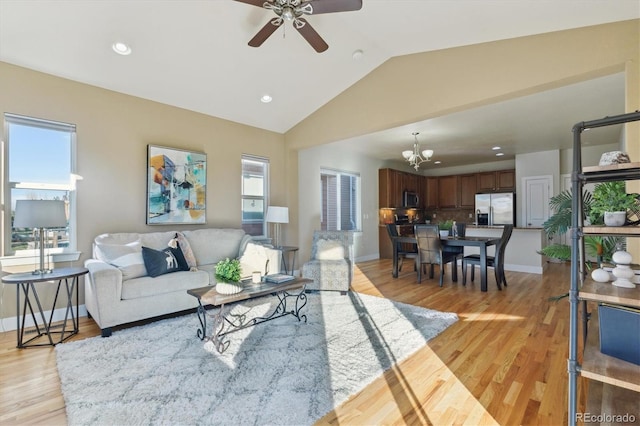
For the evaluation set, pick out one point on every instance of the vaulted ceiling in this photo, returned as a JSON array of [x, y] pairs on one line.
[[194, 54]]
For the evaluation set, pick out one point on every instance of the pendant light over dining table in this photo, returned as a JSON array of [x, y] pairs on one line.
[[416, 157]]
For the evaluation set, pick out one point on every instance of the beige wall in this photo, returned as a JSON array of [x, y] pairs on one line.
[[420, 86], [113, 131]]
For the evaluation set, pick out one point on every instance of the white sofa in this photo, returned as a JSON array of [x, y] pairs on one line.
[[118, 289]]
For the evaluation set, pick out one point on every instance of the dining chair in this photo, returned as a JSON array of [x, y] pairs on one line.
[[496, 262], [404, 250], [430, 252], [460, 231]]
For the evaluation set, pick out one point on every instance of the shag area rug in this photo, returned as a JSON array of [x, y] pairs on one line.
[[282, 372]]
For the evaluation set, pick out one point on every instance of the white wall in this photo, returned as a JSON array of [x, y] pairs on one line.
[[310, 162]]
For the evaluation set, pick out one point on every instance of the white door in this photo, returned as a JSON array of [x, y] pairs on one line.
[[537, 190]]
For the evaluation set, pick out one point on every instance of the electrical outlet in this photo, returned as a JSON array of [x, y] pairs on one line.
[[470, 216]]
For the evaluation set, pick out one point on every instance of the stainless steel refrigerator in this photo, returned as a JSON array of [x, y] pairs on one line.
[[496, 209]]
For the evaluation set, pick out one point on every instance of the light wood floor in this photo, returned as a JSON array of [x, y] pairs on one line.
[[503, 362]]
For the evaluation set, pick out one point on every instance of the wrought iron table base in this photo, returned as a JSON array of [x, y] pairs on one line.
[[228, 323]]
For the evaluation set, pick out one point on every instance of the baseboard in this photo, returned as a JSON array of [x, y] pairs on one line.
[[368, 257], [10, 323]]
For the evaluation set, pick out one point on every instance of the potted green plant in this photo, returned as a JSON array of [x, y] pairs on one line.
[[228, 274], [602, 248], [610, 203], [445, 228]]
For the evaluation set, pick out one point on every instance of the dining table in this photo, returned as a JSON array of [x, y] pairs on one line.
[[467, 241]]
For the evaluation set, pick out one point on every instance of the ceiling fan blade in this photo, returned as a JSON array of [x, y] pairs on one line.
[[330, 6], [258, 3], [264, 33], [311, 36]]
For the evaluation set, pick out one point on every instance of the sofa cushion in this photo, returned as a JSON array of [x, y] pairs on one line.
[[168, 283], [329, 250], [211, 245], [163, 262], [108, 247], [131, 265], [186, 250], [254, 258], [157, 240]]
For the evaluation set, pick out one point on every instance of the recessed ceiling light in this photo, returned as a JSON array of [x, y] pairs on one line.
[[437, 162], [500, 154], [121, 48], [357, 54], [265, 99], [495, 148]]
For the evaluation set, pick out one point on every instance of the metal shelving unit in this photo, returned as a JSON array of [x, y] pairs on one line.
[[595, 365]]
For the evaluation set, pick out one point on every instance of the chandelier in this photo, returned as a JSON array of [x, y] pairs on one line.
[[413, 157]]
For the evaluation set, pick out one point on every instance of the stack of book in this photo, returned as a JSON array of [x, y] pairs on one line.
[[278, 278]]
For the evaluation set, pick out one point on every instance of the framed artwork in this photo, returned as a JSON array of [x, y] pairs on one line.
[[176, 186]]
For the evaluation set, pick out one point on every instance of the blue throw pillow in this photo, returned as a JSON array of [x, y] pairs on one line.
[[159, 262]]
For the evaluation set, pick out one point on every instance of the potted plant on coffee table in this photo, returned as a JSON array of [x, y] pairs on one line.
[[228, 273], [610, 203]]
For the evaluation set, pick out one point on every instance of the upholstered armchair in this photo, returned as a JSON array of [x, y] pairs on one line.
[[331, 265]]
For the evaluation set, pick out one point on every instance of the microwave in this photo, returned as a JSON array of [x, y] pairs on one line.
[[410, 199]]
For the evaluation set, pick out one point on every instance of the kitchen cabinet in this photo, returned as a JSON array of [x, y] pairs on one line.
[[392, 184], [621, 378], [388, 188], [430, 192], [448, 192], [467, 191], [496, 181]]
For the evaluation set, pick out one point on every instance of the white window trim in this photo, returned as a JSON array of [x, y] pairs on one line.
[[58, 254]]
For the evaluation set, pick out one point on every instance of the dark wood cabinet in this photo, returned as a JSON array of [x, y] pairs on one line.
[[467, 191], [506, 180], [448, 192], [498, 181], [430, 192], [392, 184], [388, 188]]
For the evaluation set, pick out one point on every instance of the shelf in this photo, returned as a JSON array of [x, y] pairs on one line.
[[607, 292], [611, 230], [625, 171], [607, 369]]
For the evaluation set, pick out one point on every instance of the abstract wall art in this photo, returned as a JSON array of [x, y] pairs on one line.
[[176, 186]]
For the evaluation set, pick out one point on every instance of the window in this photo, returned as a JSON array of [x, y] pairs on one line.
[[40, 166], [255, 180], [340, 201]]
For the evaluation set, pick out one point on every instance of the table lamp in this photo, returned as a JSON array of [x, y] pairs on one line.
[[277, 215], [40, 214]]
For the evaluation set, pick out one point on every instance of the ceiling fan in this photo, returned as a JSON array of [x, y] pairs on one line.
[[292, 10]]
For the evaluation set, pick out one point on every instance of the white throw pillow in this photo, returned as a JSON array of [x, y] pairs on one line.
[[329, 250], [131, 265], [254, 259]]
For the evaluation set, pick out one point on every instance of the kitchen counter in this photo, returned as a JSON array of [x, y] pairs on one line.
[[521, 254]]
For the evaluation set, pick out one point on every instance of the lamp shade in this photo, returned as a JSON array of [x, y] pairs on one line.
[[40, 214], [276, 214]]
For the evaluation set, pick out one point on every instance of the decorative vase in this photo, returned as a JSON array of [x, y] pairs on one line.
[[228, 288], [623, 271], [615, 218]]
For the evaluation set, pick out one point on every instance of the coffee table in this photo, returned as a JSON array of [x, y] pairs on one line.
[[225, 323]]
